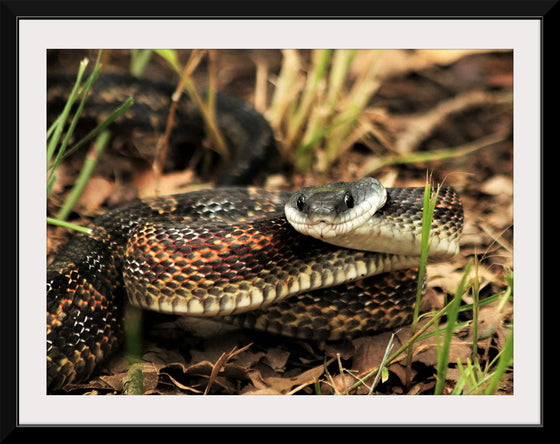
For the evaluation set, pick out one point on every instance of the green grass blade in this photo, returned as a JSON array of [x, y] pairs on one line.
[[101, 127], [50, 130], [506, 358], [83, 93], [342, 60], [60, 122], [463, 379], [475, 285], [139, 59], [427, 215], [171, 57], [383, 363], [508, 293], [443, 352], [133, 347], [85, 174], [413, 338], [57, 133], [62, 223], [301, 113], [434, 155], [304, 155]]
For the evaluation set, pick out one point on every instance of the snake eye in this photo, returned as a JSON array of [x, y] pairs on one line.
[[300, 202], [348, 200]]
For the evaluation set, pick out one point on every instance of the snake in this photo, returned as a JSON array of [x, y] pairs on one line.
[[248, 134], [320, 263]]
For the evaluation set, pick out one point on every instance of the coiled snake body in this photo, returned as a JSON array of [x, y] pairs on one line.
[[225, 251], [230, 252]]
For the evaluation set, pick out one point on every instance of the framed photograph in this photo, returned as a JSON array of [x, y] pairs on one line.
[[159, 164]]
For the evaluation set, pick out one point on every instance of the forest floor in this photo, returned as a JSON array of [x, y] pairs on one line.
[[449, 113]]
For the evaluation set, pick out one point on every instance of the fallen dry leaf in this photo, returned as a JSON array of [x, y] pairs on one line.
[[276, 358], [498, 185], [96, 191], [285, 385]]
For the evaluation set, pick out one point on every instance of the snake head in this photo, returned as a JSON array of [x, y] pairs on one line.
[[335, 209]]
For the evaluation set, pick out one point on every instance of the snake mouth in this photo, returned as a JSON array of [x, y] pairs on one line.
[[329, 226]]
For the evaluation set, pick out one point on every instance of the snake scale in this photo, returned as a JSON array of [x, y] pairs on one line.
[[230, 252]]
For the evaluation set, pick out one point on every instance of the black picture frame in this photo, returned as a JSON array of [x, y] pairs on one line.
[[12, 12]]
